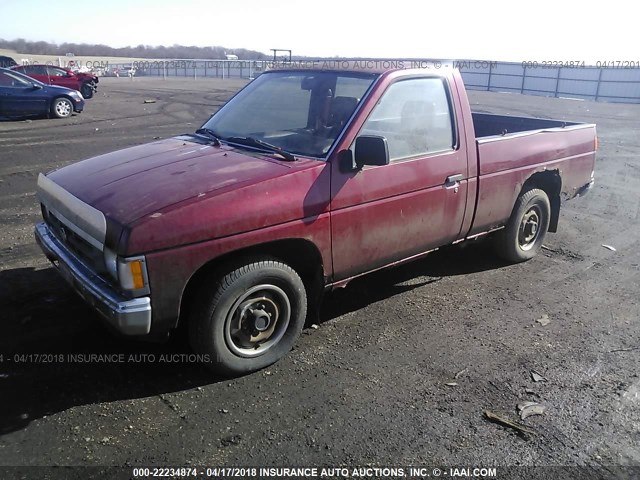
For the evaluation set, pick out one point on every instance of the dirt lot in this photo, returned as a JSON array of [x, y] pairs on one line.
[[370, 385]]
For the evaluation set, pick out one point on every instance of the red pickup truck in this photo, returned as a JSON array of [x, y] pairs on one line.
[[303, 181]]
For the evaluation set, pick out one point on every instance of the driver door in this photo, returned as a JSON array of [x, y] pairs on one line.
[[383, 214], [61, 78]]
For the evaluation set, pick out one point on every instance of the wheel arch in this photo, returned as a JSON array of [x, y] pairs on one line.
[[550, 182], [62, 95], [300, 254]]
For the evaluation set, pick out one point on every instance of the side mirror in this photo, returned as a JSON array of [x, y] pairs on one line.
[[371, 150], [36, 86]]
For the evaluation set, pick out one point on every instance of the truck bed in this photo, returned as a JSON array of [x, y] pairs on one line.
[[489, 125], [511, 149]]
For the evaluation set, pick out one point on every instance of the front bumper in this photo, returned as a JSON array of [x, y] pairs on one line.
[[128, 316], [78, 106]]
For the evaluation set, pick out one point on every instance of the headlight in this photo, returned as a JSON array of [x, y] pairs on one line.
[[130, 273]]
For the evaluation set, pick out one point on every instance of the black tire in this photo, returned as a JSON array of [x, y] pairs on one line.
[[522, 238], [62, 107], [232, 323], [86, 90]]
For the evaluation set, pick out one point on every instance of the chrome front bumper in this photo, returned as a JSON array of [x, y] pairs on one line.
[[128, 316]]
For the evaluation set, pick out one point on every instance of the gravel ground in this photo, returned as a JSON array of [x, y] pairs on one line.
[[403, 364]]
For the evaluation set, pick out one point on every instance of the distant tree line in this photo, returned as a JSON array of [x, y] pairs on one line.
[[141, 51]]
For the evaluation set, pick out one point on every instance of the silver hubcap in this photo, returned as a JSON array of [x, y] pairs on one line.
[[257, 320], [63, 108], [529, 228]]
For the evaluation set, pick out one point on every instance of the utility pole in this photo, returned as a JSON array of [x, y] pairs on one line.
[[275, 54]]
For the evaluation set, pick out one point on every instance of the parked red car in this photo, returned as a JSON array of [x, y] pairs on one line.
[[85, 83]]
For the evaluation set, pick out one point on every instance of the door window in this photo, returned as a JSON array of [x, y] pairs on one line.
[[8, 79], [415, 117], [35, 70], [56, 72]]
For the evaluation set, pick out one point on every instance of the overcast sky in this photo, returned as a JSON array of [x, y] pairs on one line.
[[488, 29]]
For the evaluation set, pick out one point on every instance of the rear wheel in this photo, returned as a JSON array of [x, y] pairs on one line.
[[522, 238], [61, 107], [248, 317]]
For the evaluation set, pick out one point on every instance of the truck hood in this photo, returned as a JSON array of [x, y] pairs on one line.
[[128, 184]]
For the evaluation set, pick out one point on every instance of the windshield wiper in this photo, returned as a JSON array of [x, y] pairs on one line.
[[211, 134], [252, 141]]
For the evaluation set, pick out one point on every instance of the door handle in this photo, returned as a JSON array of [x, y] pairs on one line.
[[453, 180]]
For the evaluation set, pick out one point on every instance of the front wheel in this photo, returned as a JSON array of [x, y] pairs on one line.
[[522, 238], [86, 90], [248, 317], [61, 107]]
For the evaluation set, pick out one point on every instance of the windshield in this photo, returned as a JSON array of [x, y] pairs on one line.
[[301, 113]]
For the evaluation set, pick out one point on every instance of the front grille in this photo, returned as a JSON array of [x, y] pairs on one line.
[[89, 254]]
